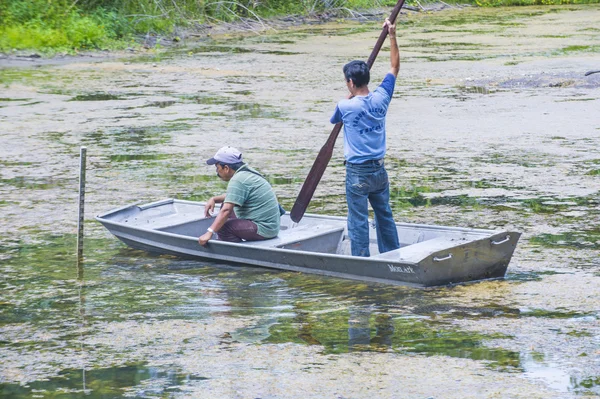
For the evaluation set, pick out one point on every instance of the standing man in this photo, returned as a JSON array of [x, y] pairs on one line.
[[363, 114], [250, 211]]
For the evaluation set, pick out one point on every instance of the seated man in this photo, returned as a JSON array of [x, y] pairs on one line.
[[250, 210]]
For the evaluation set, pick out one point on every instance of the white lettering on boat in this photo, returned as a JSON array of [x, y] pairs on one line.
[[401, 269]]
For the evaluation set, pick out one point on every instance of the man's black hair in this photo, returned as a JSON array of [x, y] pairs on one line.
[[234, 166], [358, 72]]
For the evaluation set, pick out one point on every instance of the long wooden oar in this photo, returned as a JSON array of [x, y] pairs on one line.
[[318, 168]]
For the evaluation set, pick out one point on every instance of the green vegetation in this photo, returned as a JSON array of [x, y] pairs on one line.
[[70, 26], [59, 25], [503, 3]]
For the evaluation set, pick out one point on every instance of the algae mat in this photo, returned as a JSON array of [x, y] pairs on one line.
[[494, 125]]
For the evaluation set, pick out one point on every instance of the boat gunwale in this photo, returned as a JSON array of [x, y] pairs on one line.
[[240, 245], [310, 215], [370, 260]]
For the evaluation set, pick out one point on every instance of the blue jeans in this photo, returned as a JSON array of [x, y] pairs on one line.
[[369, 182]]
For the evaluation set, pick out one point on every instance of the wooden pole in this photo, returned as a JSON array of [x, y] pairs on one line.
[[80, 218]]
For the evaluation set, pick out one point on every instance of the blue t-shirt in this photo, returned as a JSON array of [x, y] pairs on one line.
[[364, 122]]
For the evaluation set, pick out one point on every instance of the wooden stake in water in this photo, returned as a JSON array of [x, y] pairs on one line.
[[81, 203]]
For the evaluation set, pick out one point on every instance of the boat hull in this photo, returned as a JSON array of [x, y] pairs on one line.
[[429, 256]]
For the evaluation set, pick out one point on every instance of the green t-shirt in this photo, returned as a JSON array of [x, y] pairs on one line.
[[254, 200]]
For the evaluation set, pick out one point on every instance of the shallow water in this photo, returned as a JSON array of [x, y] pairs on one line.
[[493, 125]]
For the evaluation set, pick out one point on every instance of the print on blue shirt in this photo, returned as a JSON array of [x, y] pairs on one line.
[[364, 122]]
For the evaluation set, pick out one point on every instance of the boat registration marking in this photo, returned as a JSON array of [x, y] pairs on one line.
[[401, 269]]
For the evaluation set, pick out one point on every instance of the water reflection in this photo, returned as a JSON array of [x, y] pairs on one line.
[[360, 334], [553, 376], [136, 380], [55, 326], [269, 300], [51, 308]]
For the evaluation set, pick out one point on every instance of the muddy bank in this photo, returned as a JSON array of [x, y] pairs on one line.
[[202, 34]]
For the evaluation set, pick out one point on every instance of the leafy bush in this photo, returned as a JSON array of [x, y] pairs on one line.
[[72, 32], [69, 25]]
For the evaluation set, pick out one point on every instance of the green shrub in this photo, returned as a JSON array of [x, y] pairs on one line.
[[73, 32], [69, 25], [85, 32], [31, 37]]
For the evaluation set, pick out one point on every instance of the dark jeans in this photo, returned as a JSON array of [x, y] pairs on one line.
[[236, 230], [369, 182]]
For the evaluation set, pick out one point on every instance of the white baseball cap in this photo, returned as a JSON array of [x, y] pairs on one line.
[[227, 155]]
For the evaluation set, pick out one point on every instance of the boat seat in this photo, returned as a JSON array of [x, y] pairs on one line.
[[299, 233], [423, 249]]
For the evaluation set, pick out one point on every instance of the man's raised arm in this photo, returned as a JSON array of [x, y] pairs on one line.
[[394, 53]]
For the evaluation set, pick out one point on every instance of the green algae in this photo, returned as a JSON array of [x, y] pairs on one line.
[[580, 334], [582, 239], [238, 109], [403, 198], [283, 180], [551, 314], [350, 330], [529, 276], [37, 183], [341, 30], [575, 99], [255, 110], [270, 39], [445, 310], [160, 104], [205, 99], [14, 99], [139, 380], [426, 196], [482, 16], [98, 97], [138, 157], [589, 386], [442, 45], [221, 49], [31, 103], [242, 92], [578, 49], [180, 178], [134, 138], [441, 57], [28, 76]]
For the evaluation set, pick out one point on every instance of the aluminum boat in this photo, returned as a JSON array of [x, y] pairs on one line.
[[428, 256]]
